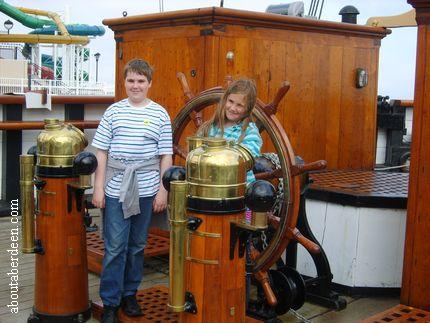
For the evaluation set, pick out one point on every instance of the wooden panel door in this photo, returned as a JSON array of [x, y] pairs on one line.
[[168, 56]]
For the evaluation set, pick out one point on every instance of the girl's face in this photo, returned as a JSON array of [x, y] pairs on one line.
[[235, 108]]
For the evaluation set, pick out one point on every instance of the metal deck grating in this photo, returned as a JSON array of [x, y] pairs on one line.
[[158, 244], [362, 183], [400, 313]]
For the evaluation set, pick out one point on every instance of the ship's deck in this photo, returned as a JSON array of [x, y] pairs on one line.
[[155, 274]]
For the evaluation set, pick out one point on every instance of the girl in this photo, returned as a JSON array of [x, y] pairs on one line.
[[232, 119]]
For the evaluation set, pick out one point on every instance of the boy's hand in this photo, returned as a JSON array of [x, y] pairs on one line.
[[160, 201], [98, 198]]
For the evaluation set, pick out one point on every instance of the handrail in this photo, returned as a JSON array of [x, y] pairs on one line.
[[406, 103], [37, 125], [62, 99]]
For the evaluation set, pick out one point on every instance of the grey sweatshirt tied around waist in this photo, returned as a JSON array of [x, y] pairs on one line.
[[129, 190]]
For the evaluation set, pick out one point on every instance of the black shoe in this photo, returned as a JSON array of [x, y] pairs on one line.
[[130, 306], [109, 314]]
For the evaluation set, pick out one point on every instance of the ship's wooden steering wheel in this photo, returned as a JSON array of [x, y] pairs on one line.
[[289, 171]]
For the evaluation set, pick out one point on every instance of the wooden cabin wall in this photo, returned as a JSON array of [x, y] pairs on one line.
[[324, 114]]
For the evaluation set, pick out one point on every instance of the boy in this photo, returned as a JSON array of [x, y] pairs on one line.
[[134, 148]]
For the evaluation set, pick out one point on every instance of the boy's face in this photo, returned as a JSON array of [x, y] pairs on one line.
[[137, 87]]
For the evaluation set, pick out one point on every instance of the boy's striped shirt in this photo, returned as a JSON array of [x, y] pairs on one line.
[[131, 134]]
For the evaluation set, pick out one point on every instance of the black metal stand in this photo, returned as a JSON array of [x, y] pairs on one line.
[[317, 288], [391, 117]]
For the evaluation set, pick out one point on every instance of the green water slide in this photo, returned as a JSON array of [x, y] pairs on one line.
[[48, 27], [25, 19]]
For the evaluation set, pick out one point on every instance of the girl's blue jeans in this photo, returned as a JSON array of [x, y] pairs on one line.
[[124, 241]]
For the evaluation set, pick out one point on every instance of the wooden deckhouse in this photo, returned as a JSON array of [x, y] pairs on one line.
[[325, 114]]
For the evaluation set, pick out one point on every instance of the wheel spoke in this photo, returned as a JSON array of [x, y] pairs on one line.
[[179, 151], [185, 87]]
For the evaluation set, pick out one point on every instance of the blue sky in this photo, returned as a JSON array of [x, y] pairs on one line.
[[397, 54]]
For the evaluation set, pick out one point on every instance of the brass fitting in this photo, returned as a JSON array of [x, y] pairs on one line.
[[26, 163], [178, 222]]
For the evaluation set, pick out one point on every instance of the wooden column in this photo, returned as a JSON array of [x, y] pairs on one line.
[[416, 268]]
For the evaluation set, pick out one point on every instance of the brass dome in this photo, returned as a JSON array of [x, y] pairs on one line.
[[217, 169], [58, 144]]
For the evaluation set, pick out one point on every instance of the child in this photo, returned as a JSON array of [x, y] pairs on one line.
[[232, 118], [134, 148]]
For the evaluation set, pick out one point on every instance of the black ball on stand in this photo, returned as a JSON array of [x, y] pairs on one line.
[[84, 163], [32, 151], [260, 196], [174, 173]]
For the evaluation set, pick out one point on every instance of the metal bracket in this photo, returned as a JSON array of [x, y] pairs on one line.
[[39, 183], [206, 32], [240, 231], [38, 248], [193, 223], [79, 195], [190, 303]]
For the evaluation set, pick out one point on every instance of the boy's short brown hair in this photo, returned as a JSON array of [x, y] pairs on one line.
[[140, 67]]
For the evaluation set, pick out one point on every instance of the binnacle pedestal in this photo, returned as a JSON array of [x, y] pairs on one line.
[[205, 282], [59, 239]]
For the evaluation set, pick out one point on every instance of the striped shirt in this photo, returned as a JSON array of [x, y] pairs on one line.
[[252, 140], [132, 134]]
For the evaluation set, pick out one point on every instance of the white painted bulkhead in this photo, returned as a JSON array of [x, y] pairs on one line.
[[364, 246]]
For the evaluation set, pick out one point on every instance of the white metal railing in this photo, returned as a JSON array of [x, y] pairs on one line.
[[55, 87], [12, 85]]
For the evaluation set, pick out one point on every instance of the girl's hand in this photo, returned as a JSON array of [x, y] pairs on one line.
[[160, 201]]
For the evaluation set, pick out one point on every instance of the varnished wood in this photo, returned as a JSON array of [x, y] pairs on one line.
[[185, 87], [416, 280], [406, 103], [272, 107], [216, 15], [61, 283], [303, 168], [310, 246], [263, 279], [324, 114], [219, 289]]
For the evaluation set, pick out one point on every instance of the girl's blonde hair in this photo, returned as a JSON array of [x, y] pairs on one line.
[[241, 86]]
